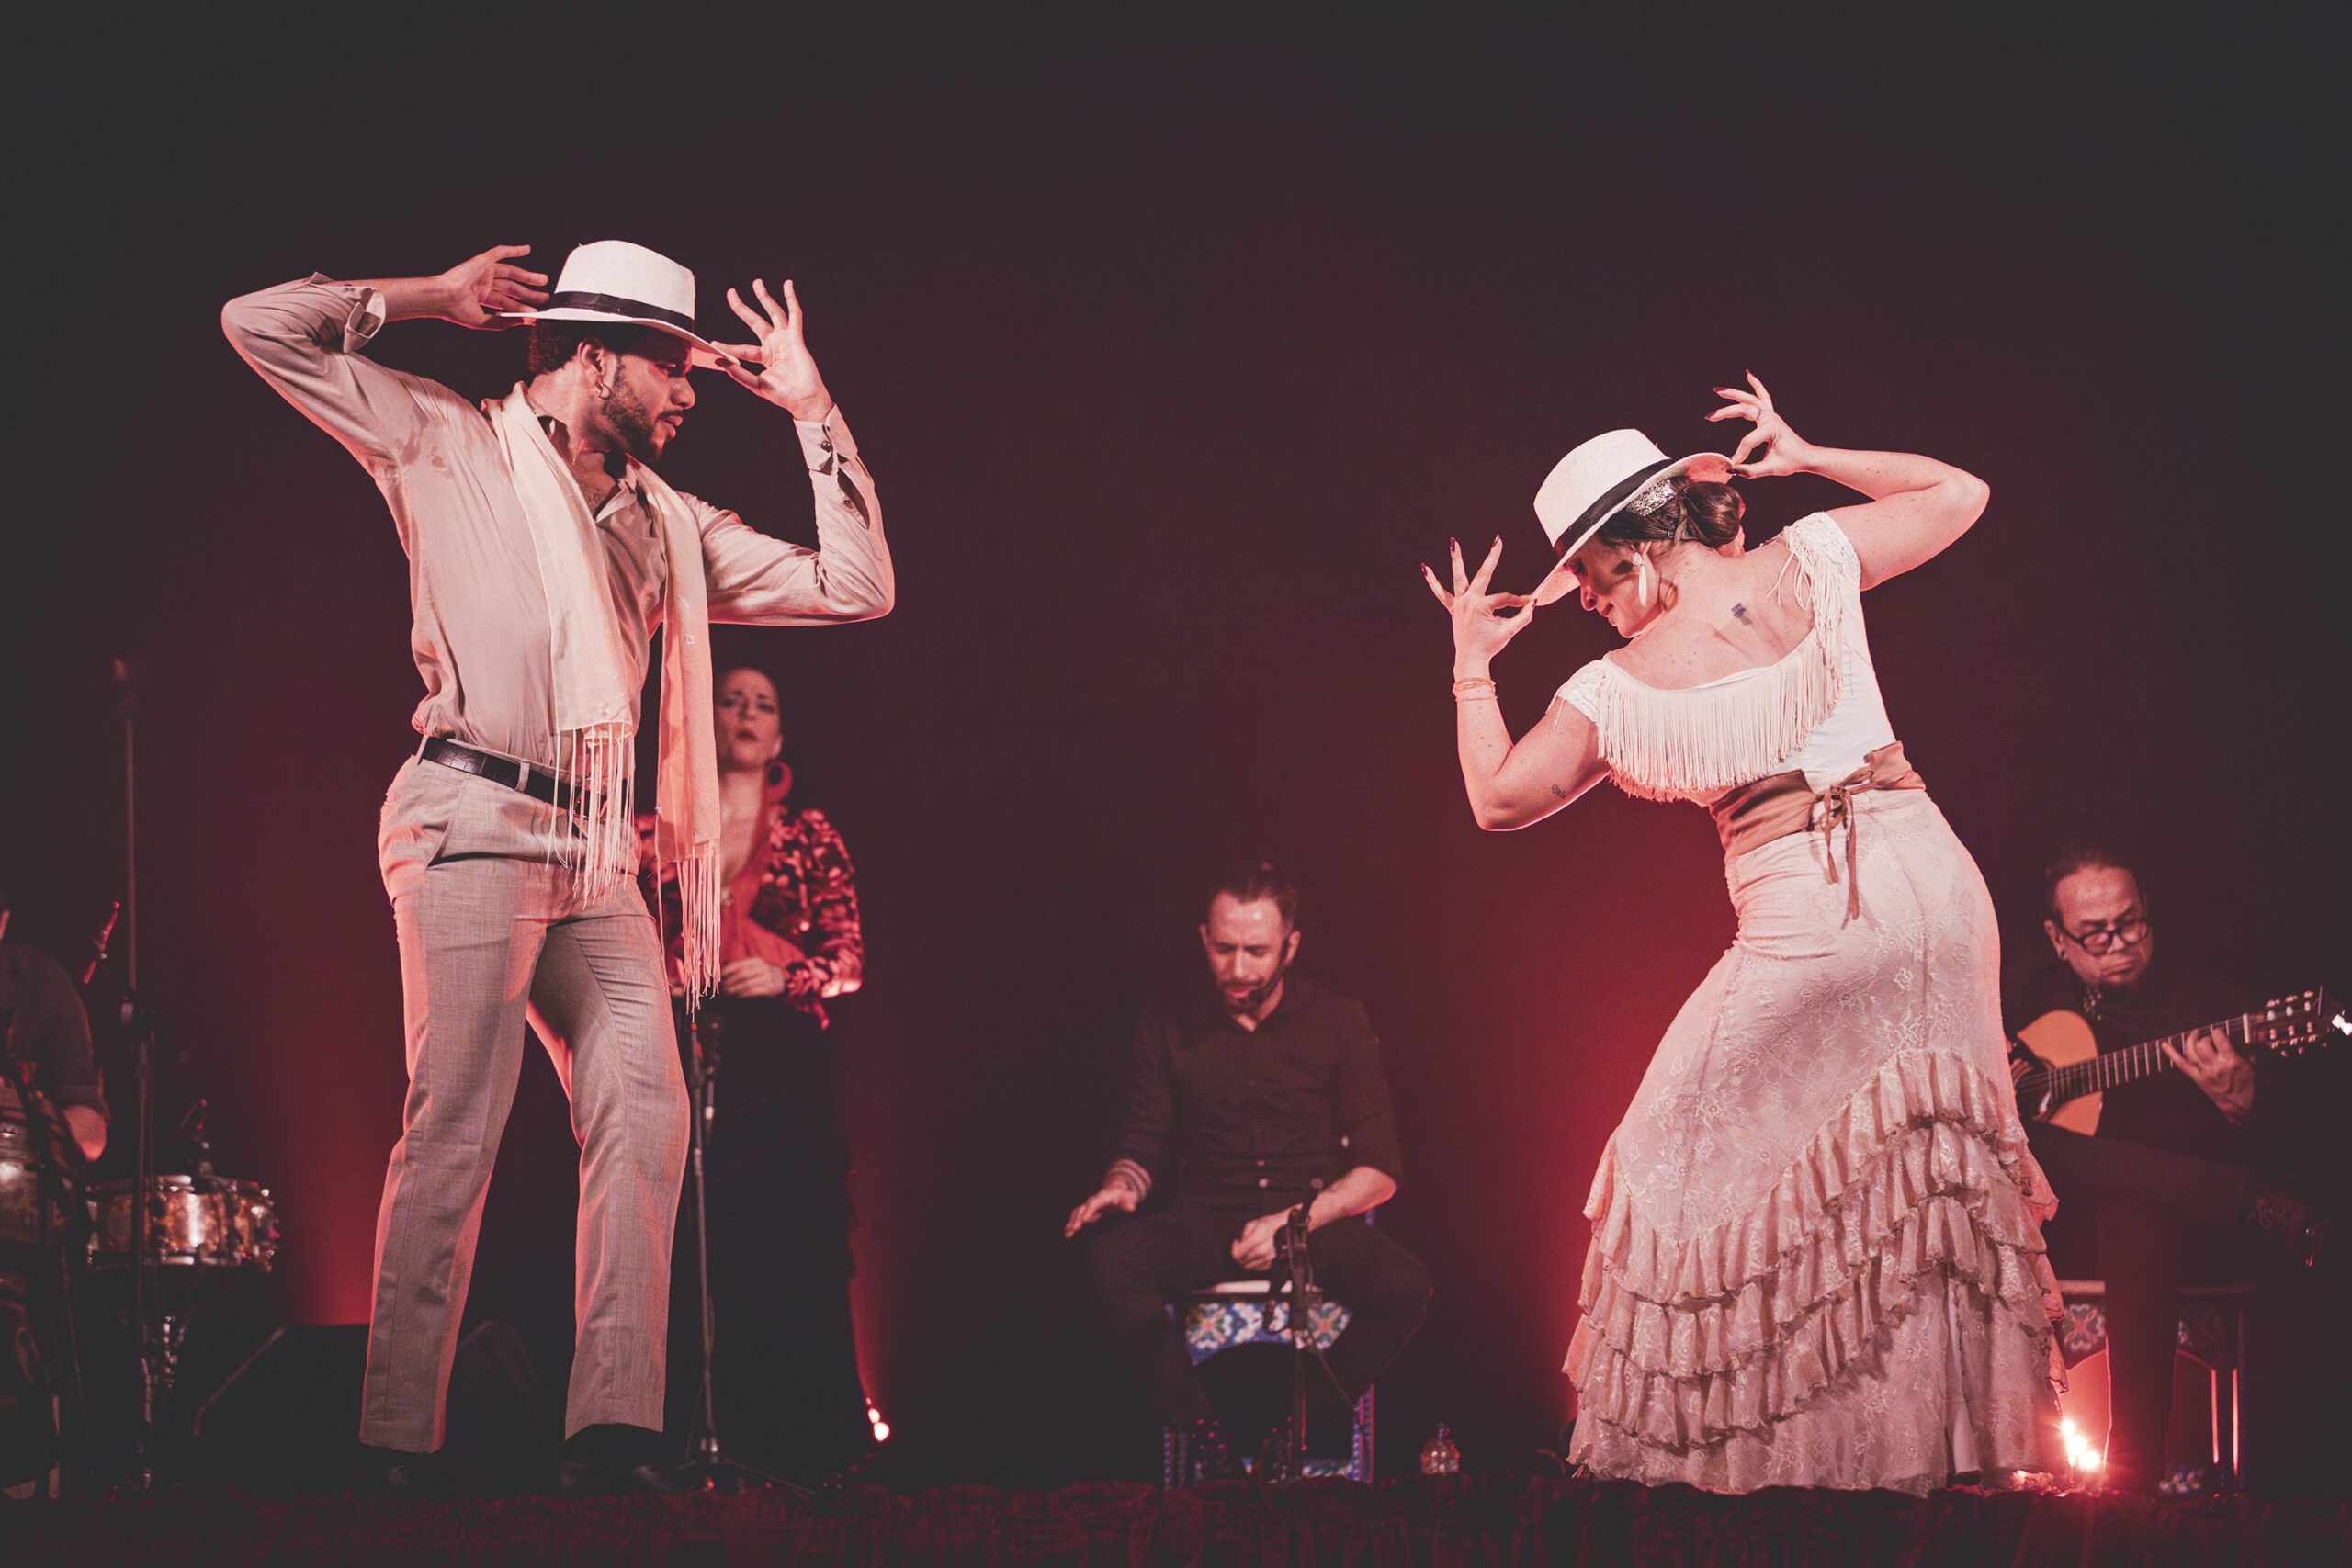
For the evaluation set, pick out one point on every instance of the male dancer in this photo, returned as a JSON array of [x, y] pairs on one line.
[[544, 551]]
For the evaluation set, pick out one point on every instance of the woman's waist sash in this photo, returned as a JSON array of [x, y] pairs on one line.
[[1777, 805]]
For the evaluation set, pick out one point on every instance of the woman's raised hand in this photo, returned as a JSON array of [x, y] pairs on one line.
[[1479, 631], [1776, 449]]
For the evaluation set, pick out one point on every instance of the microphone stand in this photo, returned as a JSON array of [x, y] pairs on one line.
[[155, 1357], [1305, 1295], [710, 1464]]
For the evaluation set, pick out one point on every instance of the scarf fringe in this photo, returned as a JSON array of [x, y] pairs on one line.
[[596, 841], [698, 898]]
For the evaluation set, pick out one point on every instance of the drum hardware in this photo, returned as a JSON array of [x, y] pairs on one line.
[[38, 1207]]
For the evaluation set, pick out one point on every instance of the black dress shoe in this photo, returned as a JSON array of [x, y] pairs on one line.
[[395, 1472], [2293, 1222], [579, 1478]]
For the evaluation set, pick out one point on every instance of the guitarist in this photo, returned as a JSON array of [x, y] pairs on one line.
[[2165, 1191]]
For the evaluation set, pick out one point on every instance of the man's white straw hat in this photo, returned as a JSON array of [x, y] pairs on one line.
[[612, 280], [1591, 483]]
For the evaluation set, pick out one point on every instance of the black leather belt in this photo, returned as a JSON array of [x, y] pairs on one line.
[[538, 783]]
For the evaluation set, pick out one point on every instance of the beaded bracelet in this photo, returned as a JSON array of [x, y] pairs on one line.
[[1473, 686]]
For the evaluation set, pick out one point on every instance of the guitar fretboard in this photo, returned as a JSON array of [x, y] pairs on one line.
[[2135, 1062]]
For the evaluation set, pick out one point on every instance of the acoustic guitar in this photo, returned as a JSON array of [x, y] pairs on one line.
[[2068, 1077]]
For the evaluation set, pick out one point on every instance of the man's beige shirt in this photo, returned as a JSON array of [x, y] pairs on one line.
[[480, 636]]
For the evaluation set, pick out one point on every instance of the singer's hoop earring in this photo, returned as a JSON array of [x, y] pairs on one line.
[[775, 773]]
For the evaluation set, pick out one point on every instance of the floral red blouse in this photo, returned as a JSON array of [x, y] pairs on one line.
[[801, 888]]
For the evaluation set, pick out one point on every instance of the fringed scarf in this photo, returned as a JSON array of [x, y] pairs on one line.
[[594, 715]]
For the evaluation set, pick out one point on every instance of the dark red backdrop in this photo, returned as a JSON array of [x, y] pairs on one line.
[[1171, 367]]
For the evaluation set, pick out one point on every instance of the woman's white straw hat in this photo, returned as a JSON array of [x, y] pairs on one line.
[[1594, 481], [612, 280]]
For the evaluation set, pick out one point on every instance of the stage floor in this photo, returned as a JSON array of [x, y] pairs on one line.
[[1495, 1519]]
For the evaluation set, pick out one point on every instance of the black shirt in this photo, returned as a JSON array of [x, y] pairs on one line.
[[2166, 1110], [1272, 1116], [43, 1025]]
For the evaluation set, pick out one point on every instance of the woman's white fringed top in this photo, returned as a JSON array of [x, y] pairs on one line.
[[1817, 708]]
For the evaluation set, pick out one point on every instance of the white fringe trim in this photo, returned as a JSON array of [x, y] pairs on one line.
[[1698, 742]]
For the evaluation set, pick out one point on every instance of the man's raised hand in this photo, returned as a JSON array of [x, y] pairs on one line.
[[790, 380], [475, 290]]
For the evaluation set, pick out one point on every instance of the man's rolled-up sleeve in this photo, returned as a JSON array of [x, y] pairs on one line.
[[307, 338], [757, 580], [1360, 1105]]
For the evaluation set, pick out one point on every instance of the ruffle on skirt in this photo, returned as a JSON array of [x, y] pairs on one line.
[[1920, 1188]]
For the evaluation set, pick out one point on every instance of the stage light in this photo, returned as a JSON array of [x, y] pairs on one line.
[[874, 1419], [2082, 1455]]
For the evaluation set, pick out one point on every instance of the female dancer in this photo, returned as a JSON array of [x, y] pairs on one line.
[[1816, 1257], [789, 1397]]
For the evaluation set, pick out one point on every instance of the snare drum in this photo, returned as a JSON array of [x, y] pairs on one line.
[[192, 1221]]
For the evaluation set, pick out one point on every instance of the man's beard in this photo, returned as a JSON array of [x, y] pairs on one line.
[[633, 425], [1256, 995]]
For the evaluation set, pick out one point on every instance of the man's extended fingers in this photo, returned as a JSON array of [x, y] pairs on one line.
[[509, 293], [751, 318], [791, 300], [777, 314]]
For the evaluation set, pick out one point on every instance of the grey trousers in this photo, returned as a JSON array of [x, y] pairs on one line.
[[492, 932]]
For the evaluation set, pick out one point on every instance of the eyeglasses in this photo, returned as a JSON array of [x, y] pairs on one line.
[[2100, 940]]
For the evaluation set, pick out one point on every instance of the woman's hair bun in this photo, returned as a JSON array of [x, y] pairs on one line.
[[1711, 512]]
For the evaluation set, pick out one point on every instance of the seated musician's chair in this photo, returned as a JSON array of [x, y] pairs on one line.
[[2212, 1331], [1249, 1312]]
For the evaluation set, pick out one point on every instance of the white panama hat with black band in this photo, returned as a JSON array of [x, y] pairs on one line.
[[1596, 481], [627, 285]]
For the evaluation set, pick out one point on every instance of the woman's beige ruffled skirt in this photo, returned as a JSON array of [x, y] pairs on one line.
[[1817, 1255]]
